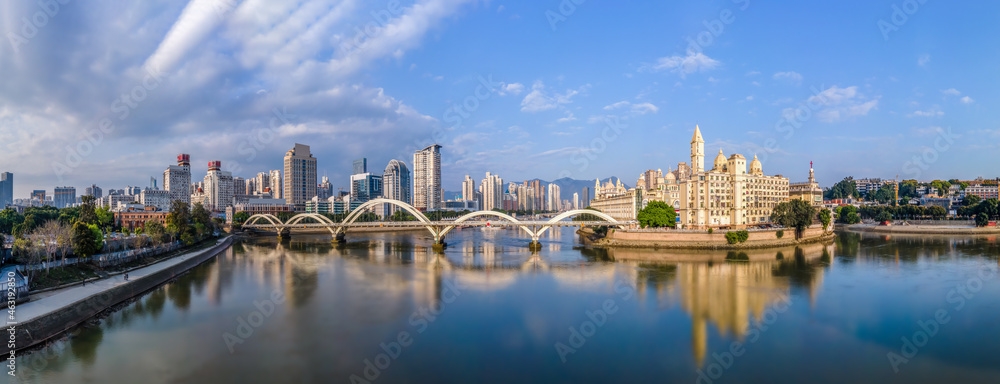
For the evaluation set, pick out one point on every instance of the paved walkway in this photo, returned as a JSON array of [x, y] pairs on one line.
[[50, 302]]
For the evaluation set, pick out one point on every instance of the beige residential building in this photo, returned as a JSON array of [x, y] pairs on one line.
[[427, 194], [300, 177]]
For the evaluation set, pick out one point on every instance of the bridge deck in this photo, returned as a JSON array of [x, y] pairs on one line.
[[442, 223]]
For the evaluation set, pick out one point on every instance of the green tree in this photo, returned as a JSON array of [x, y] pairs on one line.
[[884, 195], [401, 215], [201, 215], [85, 241], [8, 219], [848, 214], [240, 217], [796, 214], [842, 190], [937, 211], [172, 231], [941, 186], [179, 217], [982, 220], [908, 189], [155, 231], [105, 219], [824, 218], [69, 215], [989, 207], [971, 200], [657, 214], [883, 216], [88, 210]]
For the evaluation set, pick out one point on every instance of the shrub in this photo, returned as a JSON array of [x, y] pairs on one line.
[[734, 237], [710, 230], [780, 233]]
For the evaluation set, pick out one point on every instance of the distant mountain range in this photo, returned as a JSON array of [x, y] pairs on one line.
[[567, 187]]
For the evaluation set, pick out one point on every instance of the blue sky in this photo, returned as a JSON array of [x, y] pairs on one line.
[[543, 89]]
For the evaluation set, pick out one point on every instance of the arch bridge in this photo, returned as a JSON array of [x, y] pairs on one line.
[[438, 229]]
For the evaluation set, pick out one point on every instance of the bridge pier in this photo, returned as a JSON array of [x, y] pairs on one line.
[[439, 243], [339, 238], [534, 245]]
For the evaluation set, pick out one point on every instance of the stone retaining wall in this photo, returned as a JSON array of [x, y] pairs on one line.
[[40, 329], [704, 240]]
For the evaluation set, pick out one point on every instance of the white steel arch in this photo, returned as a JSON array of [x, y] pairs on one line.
[[274, 220], [575, 212], [371, 203], [487, 213], [315, 216]]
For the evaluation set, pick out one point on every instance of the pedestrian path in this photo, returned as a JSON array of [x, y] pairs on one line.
[[57, 300]]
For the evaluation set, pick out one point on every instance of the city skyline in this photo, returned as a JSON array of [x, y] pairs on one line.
[[868, 99]]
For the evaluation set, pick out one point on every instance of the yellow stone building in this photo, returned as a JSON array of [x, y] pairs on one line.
[[615, 200], [808, 191], [728, 195]]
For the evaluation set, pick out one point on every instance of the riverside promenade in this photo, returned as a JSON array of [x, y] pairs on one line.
[[52, 313]]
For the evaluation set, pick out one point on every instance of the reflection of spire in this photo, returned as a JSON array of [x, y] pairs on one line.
[[699, 339], [727, 295]]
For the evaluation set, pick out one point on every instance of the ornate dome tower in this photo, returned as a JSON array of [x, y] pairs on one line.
[[755, 167], [720, 162]]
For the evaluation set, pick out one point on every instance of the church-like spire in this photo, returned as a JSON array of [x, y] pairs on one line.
[[697, 135]]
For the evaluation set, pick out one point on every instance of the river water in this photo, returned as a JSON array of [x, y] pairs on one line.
[[386, 308]]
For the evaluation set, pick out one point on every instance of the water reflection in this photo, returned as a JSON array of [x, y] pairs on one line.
[[727, 289], [342, 301]]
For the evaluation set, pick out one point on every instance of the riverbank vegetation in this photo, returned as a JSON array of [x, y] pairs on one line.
[[45, 239]]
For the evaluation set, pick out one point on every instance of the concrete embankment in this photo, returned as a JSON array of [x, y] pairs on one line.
[[924, 229], [671, 239], [46, 318]]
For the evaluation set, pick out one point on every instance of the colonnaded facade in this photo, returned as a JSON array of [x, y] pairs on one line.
[[729, 195]]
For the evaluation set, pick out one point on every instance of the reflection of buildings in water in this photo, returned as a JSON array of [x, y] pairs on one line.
[[590, 277], [727, 294], [554, 233], [879, 248]]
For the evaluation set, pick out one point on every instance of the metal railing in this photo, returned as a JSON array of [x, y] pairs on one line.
[[121, 257]]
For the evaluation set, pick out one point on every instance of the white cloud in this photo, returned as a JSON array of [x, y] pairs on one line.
[[225, 73], [923, 60], [644, 108], [753, 73], [561, 152], [539, 100], [684, 65], [789, 77], [569, 117], [967, 100], [951, 92], [617, 105], [932, 112], [512, 88], [638, 108], [841, 103]]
